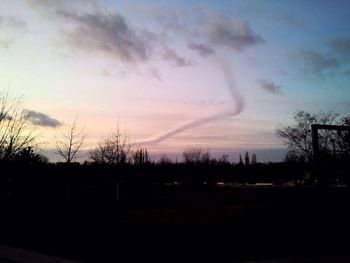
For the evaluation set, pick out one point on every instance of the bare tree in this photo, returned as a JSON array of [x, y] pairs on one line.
[[70, 143], [223, 159], [298, 137], [16, 133], [254, 159], [240, 160], [164, 160], [196, 155], [206, 157], [247, 159], [192, 155], [28, 155], [141, 156], [342, 139], [114, 149]]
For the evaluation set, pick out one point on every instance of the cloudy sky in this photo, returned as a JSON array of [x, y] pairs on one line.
[[174, 74]]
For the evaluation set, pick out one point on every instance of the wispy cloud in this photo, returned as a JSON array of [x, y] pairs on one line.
[[54, 6], [175, 58], [89, 30], [288, 19], [156, 73], [9, 25], [213, 28], [237, 109], [5, 43], [332, 58], [269, 86], [86, 26], [105, 73], [340, 47], [41, 119], [107, 33], [170, 19], [318, 63], [11, 22], [202, 49], [237, 35]]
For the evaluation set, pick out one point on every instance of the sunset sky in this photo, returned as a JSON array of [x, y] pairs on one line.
[[220, 75]]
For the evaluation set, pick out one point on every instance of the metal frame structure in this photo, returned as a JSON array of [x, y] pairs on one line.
[[316, 148]]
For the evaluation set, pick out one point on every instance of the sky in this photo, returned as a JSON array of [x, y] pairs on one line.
[[221, 75]]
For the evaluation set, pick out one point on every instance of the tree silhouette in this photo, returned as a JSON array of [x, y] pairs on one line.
[[16, 133], [246, 159], [141, 156], [254, 160], [223, 159], [114, 149], [205, 157], [164, 160], [70, 143], [342, 140], [196, 155], [28, 155], [298, 137], [240, 160]]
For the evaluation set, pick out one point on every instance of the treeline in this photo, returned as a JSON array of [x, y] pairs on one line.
[[19, 142], [19, 148], [91, 182], [208, 172]]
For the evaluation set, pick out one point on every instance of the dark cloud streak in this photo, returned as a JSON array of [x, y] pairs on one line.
[[88, 27], [318, 62], [333, 58], [202, 49], [238, 106], [41, 119], [156, 73], [11, 22], [340, 47], [269, 86], [89, 30], [237, 35], [54, 6], [6, 43], [175, 58], [107, 33]]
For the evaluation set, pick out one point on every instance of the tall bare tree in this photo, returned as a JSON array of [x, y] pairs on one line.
[[247, 159], [298, 137], [254, 159], [68, 145], [196, 155], [141, 156], [114, 149], [164, 160], [16, 133]]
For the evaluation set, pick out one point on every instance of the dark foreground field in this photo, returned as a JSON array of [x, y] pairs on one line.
[[177, 224]]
